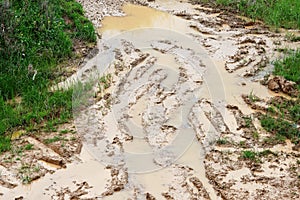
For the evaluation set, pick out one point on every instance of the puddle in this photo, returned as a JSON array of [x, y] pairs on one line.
[[151, 155], [141, 17]]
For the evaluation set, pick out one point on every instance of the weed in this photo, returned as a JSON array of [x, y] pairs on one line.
[[105, 81], [251, 155], [52, 140], [4, 144], [65, 131], [26, 179], [242, 144], [24, 168], [271, 109], [248, 121], [222, 141], [292, 37], [252, 97], [277, 139], [28, 147], [255, 135], [289, 109], [266, 153]]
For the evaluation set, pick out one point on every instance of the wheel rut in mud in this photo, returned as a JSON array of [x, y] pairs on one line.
[[165, 96]]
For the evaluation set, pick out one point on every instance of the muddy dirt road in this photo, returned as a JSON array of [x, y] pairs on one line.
[[173, 76]]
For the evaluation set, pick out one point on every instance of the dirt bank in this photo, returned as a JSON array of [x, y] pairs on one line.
[[170, 117]]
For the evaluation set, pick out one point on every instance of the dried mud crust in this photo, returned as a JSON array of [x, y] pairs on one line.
[[34, 156]]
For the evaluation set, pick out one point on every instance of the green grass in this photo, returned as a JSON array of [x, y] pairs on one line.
[[28, 147], [248, 121], [289, 109], [36, 35], [281, 127], [52, 140], [256, 156], [253, 98], [277, 13], [289, 67], [222, 141], [285, 122], [251, 155], [292, 37]]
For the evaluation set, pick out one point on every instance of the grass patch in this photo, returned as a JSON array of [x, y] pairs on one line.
[[52, 140], [281, 127], [289, 67], [289, 109], [255, 135], [250, 155], [283, 117], [292, 37], [266, 153], [35, 37], [277, 13], [256, 156], [252, 97], [28, 147], [105, 81], [222, 141], [273, 140], [247, 121]]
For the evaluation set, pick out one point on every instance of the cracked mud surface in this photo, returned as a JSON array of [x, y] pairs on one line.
[[170, 120]]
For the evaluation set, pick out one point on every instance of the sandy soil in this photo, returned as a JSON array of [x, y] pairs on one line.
[[171, 116]]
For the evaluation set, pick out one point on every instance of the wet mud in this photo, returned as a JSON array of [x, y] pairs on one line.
[[168, 115]]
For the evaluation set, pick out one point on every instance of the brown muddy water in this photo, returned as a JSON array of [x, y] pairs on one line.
[[169, 92]]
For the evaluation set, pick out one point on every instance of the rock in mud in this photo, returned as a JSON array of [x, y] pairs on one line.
[[119, 178], [7, 184], [150, 196], [198, 184], [296, 147], [280, 84]]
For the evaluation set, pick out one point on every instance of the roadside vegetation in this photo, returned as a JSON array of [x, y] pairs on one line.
[[276, 13], [289, 67], [283, 117], [35, 37]]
